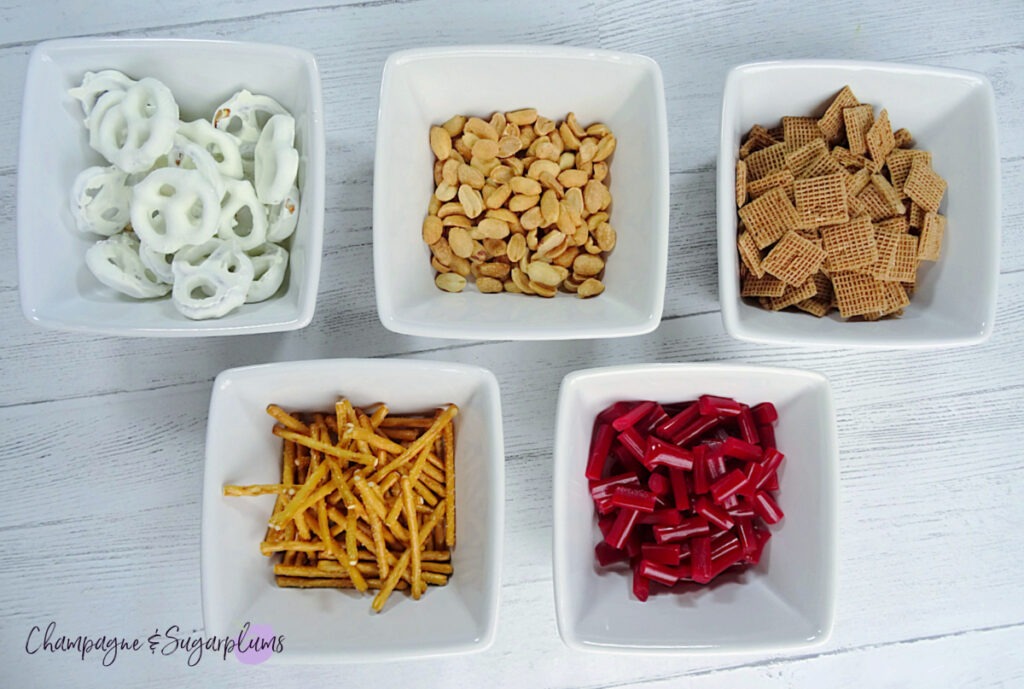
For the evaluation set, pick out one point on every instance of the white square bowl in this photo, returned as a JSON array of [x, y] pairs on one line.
[[57, 290], [424, 87], [786, 601], [950, 113], [339, 626]]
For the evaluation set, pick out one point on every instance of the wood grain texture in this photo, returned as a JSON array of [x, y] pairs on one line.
[[103, 437]]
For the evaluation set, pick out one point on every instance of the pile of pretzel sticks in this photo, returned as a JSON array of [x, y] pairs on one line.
[[366, 500]]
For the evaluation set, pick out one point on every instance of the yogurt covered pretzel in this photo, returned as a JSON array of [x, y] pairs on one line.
[[211, 279], [277, 161], [95, 84], [115, 262], [100, 199], [244, 116], [240, 195], [134, 127], [222, 146], [283, 217], [269, 262], [174, 207]]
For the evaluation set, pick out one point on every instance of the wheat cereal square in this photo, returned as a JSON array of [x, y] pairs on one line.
[[765, 161], [756, 139], [887, 243], [831, 123], [858, 121], [899, 163], [741, 183], [929, 246], [793, 295], [924, 186], [782, 179], [768, 217], [824, 165], [858, 294], [877, 205], [897, 224], [794, 259], [879, 138], [903, 138], [895, 298], [904, 267], [821, 200], [850, 245], [798, 131], [797, 160], [916, 216], [765, 286], [749, 254]]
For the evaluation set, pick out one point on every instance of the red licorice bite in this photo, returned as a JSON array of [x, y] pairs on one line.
[[661, 553], [741, 449], [727, 486], [657, 572], [695, 430], [700, 558], [680, 488], [747, 426], [621, 529], [658, 484], [633, 498], [711, 405], [633, 442], [607, 555], [674, 424], [767, 435], [600, 443], [766, 508], [765, 413], [714, 513], [641, 584], [687, 528], [634, 415], [659, 453]]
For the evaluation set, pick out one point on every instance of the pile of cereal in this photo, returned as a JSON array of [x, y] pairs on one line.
[[836, 212]]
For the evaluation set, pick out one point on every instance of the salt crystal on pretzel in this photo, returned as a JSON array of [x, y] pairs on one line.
[[276, 160], [269, 262], [220, 145], [242, 216], [115, 262], [211, 279], [95, 84], [100, 198], [134, 127], [174, 207]]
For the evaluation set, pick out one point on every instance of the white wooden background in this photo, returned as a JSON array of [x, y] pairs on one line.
[[102, 438]]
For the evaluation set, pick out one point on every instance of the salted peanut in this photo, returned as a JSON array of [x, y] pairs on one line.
[[564, 221], [525, 185], [511, 129], [471, 176], [522, 117], [570, 284], [581, 235], [527, 135], [460, 242], [594, 195], [547, 151], [450, 282], [566, 161], [509, 146], [498, 121], [599, 130], [543, 126], [543, 290], [506, 216], [532, 218], [442, 251], [484, 165], [572, 178], [588, 147], [495, 270], [596, 219], [433, 206], [510, 286], [574, 125], [438, 266], [460, 265], [485, 149], [445, 191], [432, 229], [516, 165], [585, 168], [587, 265], [450, 208], [532, 240], [591, 247], [484, 130], [471, 201], [574, 202], [487, 190], [590, 288], [498, 197], [569, 138], [600, 171], [549, 208], [605, 236], [454, 125], [538, 167], [456, 221], [516, 249], [522, 202], [551, 240], [565, 258], [521, 281], [501, 174], [549, 181], [450, 172], [492, 228], [468, 138], [489, 285], [556, 141], [605, 147], [555, 253], [438, 167], [440, 143]]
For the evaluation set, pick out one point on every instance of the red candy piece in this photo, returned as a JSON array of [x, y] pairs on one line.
[[634, 415], [599, 446]]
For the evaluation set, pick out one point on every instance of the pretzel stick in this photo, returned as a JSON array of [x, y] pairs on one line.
[[425, 440], [286, 419], [257, 489], [449, 486], [296, 504], [303, 583], [269, 548], [408, 422], [412, 524], [326, 448], [392, 580], [378, 415]]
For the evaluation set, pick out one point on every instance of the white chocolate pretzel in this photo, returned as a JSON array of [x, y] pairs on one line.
[[244, 116], [283, 217], [100, 198], [95, 84], [269, 262], [158, 263], [252, 231], [115, 262], [277, 161], [222, 146], [188, 155], [211, 279], [134, 127], [174, 207]]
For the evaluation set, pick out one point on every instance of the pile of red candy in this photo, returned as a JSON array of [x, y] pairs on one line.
[[683, 491]]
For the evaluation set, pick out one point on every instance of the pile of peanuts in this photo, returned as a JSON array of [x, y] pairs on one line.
[[521, 204]]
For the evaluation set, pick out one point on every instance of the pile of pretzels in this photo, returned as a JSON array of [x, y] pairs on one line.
[[195, 209]]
